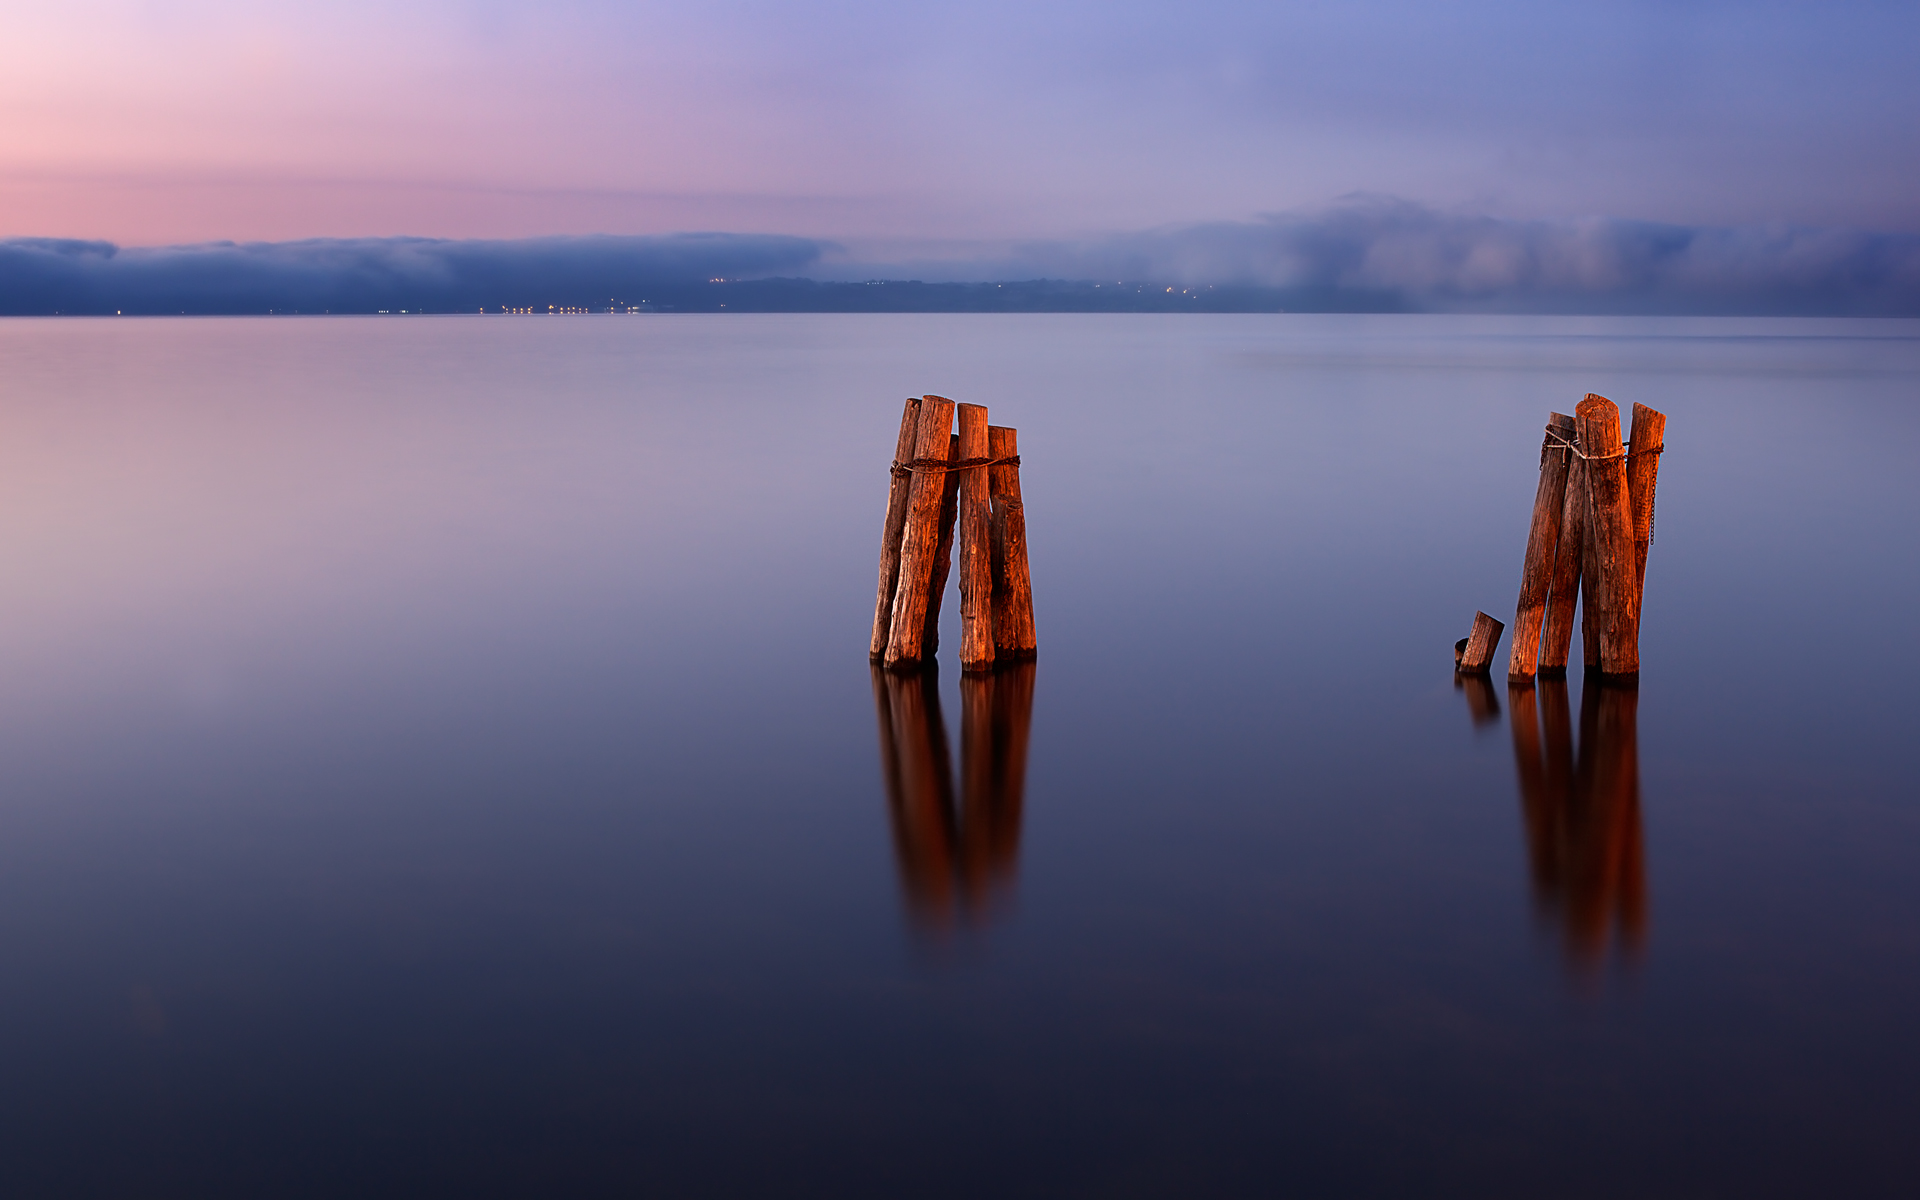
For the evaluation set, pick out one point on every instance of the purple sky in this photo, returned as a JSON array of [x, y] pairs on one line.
[[917, 132]]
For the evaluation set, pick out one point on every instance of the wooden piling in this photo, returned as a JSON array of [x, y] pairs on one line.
[[1614, 593], [1476, 657], [1013, 637], [976, 553], [1543, 537], [920, 536], [1643, 469], [1563, 590], [890, 531], [942, 554]]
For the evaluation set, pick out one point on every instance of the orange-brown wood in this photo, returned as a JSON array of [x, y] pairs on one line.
[[1643, 471], [1613, 594], [942, 555], [920, 537], [976, 552], [1563, 590], [900, 483], [1543, 537], [1476, 657], [1013, 635]]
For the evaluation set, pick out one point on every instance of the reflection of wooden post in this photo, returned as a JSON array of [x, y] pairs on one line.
[[890, 532], [1605, 879], [1543, 537], [920, 537], [1537, 810], [976, 559], [1012, 720], [1614, 590], [1013, 637], [1476, 657], [1482, 705], [919, 791], [976, 780], [1563, 595], [953, 858], [942, 553], [1643, 469], [996, 713], [1615, 799]]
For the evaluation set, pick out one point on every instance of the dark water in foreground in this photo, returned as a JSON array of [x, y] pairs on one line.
[[440, 758]]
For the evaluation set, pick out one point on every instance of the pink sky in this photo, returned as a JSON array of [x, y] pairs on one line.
[[146, 122]]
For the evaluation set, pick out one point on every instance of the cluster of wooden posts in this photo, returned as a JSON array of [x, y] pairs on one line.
[[1592, 525], [943, 478]]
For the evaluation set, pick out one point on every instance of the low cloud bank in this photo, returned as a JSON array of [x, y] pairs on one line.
[[1365, 255], [1426, 260], [43, 275]]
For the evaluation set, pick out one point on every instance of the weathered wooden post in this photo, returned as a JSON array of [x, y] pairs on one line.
[[976, 553], [942, 553], [1569, 557], [1013, 637], [1614, 588], [890, 532], [1543, 538], [1473, 655], [1643, 469], [920, 534]]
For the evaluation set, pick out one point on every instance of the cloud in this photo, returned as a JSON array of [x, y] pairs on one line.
[[1366, 254], [43, 275], [1429, 260]]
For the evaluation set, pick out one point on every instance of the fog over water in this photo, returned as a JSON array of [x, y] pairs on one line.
[[442, 759]]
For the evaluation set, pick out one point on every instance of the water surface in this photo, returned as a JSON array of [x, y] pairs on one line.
[[440, 758]]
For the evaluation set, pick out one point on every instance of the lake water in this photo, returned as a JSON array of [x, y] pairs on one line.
[[441, 759]]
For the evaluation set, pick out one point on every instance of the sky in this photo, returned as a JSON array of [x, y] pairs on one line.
[[948, 137]]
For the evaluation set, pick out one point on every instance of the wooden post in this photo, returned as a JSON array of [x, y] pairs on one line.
[[1614, 590], [942, 554], [1543, 537], [1476, 657], [891, 530], [1643, 469], [976, 555], [1013, 638], [920, 536], [1563, 594]]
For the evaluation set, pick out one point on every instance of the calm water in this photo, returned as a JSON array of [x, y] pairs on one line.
[[440, 758]]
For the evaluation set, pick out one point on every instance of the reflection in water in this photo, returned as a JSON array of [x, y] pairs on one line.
[[1583, 815], [1482, 704], [955, 858]]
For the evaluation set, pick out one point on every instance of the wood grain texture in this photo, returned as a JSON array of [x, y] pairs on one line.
[[1013, 634], [1543, 538], [920, 537], [942, 554], [1643, 472], [976, 551], [1613, 593], [898, 485], [1563, 589], [1476, 658]]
